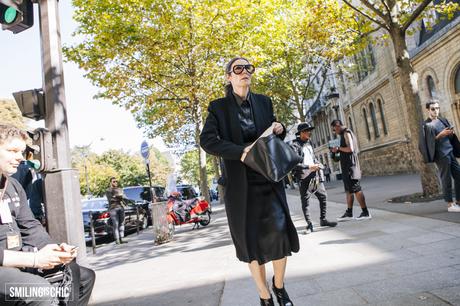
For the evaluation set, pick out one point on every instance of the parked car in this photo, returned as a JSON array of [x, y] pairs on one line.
[[141, 196], [99, 208], [187, 192]]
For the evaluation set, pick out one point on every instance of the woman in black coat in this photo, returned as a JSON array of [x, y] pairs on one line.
[[257, 210]]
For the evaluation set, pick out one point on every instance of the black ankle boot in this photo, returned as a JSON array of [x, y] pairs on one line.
[[309, 227], [267, 302], [281, 295], [324, 222]]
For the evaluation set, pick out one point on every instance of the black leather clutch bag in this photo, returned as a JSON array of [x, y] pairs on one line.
[[271, 157]]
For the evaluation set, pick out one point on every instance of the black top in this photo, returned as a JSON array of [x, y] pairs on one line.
[[346, 158], [246, 118]]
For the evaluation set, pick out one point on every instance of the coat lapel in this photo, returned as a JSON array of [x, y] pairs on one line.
[[257, 114], [232, 117]]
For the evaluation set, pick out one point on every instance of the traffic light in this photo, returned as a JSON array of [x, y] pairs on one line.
[[43, 139], [16, 15]]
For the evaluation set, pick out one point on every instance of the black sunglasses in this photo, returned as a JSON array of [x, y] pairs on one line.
[[434, 108], [238, 69]]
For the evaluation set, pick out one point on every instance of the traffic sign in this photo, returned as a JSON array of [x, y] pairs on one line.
[[145, 150]]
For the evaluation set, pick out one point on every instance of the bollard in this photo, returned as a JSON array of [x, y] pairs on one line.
[[137, 219], [93, 235]]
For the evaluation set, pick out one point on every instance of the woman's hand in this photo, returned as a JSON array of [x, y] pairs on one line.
[[278, 128]]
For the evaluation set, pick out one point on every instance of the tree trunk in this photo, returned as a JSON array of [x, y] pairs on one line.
[[220, 188], [202, 162], [408, 78]]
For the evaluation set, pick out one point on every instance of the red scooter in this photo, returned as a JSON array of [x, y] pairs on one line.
[[197, 211]]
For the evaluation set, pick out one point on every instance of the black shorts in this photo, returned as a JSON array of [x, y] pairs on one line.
[[350, 184]]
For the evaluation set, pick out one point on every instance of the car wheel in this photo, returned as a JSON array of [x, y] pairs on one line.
[[206, 219]]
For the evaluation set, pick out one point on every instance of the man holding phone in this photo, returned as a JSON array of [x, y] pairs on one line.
[[29, 258], [436, 146]]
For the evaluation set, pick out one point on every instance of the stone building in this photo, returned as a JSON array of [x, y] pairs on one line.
[[369, 100]]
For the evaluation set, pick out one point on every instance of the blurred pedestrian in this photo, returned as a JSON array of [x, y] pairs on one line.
[[257, 210], [115, 198], [310, 176], [351, 171], [31, 180], [438, 146], [327, 173]]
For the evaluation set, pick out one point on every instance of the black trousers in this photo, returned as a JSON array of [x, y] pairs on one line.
[[449, 168], [15, 279], [320, 194]]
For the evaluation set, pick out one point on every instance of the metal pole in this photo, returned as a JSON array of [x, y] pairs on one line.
[[62, 192], [93, 234], [88, 192]]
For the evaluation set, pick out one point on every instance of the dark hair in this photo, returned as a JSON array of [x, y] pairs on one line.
[[432, 101], [335, 121], [228, 70]]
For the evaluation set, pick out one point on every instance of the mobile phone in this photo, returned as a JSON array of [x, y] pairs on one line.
[[451, 127]]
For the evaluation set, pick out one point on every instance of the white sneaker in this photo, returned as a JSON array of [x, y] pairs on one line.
[[454, 208]]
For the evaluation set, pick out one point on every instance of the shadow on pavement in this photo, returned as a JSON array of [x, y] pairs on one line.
[[207, 295], [139, 248]]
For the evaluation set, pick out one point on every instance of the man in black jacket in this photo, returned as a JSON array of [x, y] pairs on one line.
[[436, 146], [27, 252], [310, 176]]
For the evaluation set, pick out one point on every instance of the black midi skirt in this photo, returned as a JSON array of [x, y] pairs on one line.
[[267, 235]]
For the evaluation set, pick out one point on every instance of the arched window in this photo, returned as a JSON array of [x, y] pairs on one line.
[[350, 124], [374, 121], [431, 87], [367, 124], [457, 80], [382, 116]]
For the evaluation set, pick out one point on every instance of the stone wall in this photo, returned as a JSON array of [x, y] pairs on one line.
[[387, 160]]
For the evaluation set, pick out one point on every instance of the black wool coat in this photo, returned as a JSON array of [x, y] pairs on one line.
[[222, 136]]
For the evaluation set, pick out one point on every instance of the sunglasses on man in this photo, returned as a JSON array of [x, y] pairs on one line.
[[238, 69], [434, 108]]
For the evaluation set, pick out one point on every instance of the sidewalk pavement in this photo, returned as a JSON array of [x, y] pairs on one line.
[[393, 259]]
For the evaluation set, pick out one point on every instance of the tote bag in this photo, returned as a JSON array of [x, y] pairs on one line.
[[270, 156]]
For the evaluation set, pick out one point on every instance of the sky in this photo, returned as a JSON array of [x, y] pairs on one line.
[[96, 122]]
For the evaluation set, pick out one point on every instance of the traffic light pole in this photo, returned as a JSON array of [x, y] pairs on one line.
[[62, 192]]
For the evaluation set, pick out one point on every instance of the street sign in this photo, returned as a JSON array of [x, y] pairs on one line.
[[145, 149]]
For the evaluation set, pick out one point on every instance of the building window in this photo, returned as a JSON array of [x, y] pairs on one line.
[[374, 121], [367, 124], [350, 123], [382, 116], [457, 80], [365, 63], [431, 87]]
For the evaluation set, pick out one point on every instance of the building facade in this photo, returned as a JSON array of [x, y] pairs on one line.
[[370, 101]]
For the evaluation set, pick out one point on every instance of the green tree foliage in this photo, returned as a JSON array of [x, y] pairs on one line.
[[190, 170], [10, 113], [129, 169]]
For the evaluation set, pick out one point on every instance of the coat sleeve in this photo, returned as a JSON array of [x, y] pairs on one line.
[[32, 232], [213, 144]]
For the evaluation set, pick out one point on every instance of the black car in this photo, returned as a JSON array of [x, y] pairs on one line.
[[187, 192], [99, 208], [141, 196]]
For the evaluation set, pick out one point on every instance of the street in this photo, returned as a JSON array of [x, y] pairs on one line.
[[394, 259]]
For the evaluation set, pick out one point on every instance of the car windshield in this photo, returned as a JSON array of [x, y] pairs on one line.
[[94, 205], [187, 192], [138, 194]]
